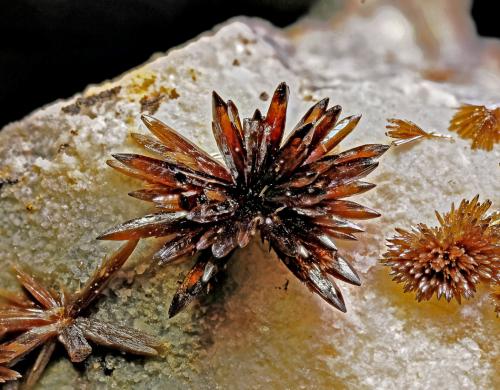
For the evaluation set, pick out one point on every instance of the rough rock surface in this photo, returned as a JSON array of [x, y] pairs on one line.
[[263, 329]]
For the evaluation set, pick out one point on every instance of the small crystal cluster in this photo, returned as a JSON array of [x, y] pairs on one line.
[[42, 316], [404, 131], [293, 192], [478, 123], [451, 259]]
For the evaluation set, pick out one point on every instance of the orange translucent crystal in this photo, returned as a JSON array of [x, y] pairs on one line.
[[404, 131], [479, 124]]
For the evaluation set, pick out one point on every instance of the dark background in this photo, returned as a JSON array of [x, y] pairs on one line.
[[51, 49]]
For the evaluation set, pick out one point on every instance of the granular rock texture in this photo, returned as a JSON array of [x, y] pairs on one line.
[[262, 329]]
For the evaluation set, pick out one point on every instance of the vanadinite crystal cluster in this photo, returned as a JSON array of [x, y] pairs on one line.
[[292, 191]]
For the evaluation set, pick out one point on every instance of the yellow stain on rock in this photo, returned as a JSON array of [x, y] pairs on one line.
[[145, 87], [140, 82]]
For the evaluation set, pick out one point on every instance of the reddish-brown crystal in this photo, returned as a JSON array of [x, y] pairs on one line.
[[6, 374], [44, 316], [287, 188], [451, 259]]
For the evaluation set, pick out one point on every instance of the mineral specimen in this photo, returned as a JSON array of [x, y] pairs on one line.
[[49, 317], [451, 259], [252, 332], [292, 192]]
